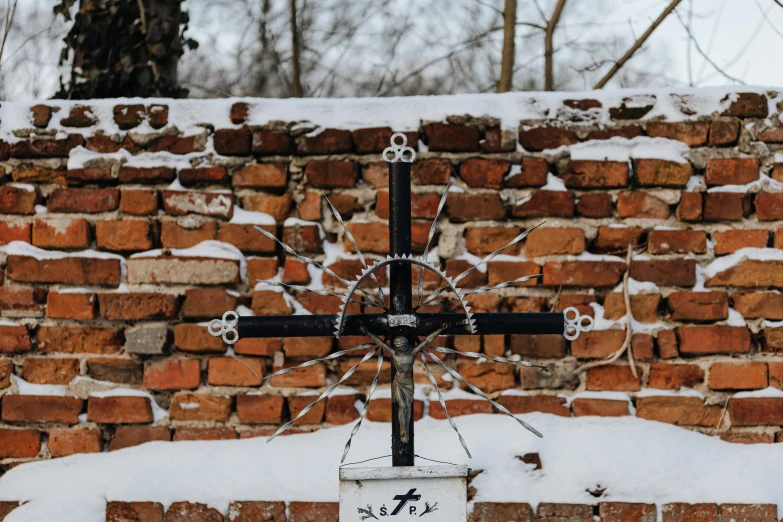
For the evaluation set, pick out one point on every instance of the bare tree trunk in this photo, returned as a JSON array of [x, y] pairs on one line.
[[509, 33], [549, 50], [636, 45], [296, 74]]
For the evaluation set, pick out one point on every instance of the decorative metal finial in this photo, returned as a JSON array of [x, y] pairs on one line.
[[399, 150], [225, 328], [579, 323]]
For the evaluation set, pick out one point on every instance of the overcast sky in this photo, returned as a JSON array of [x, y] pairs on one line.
[[743, 38]]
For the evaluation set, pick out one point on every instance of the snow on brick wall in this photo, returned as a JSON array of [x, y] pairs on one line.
[[127, 224]]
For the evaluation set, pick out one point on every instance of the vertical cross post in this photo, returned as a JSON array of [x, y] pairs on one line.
[[400, 284]]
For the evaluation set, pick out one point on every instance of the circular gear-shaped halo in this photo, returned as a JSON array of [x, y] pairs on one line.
[[410, 260]]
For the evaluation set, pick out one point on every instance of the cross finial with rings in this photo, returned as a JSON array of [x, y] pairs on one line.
[[400, 150]]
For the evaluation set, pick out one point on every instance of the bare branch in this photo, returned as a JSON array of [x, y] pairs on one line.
[[704, 54], [9, 18], [296, 66], [637, 44], [507, 59], [551, 25]]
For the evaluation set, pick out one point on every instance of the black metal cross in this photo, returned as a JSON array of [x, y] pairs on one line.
[[401, 318]]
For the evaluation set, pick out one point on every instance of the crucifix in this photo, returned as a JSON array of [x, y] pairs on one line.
[[402, 332]]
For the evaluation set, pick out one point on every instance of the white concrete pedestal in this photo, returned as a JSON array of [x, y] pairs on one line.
[[423, 493]]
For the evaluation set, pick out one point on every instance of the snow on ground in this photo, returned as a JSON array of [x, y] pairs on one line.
[[634, 459]]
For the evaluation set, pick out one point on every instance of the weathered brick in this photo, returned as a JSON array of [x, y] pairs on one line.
[[49, 370], [738, 376], [39, 174], [481, 173], [599, 408], [731, 171], [327, 141], [702, 340], [691, 207], [64, 442], [173, 235], [115, 369], [583, 273], [729, 241], [14, 232], [641, 205], [668, 347], [134, 512], [203, 176], [597, 344], [138, 202], [668, 376], [670, 272], [197, 339], [196, 433], [15, 200], [756, 411], [46, 148], [545, 203], [178, 144], [213, 204], [119, 410], [147, 175], [449, 137], [313, 511], [699, 306], [124, 235], [183, 270], [172, 374], [41, 408], [310, 377], [61, 233], [14, 339], [680, 512], [755, 305], [533, 172], [21, 300], [271, 142], [485, 240], [723, 132], [661, 242], [186, 406], [537, 139], [747, 105], [428, 172], [462, 207], [83, 200], [555, 241], [246, 238], [332, 174], [616, 239], [613, 377], [228, 371], [79, 339], [232, 142], [137, 305], [681, 411], [769, 207], [691, 133], [19, 444], [260, 409], [749, 512], [257, 511], [268, 302], [458, 407], [750, 273], [129, 436], [662, 173], [595, 174], [643, 306], [262, 175], [726, 206], [546, 346], [501, 511], [596, 205]]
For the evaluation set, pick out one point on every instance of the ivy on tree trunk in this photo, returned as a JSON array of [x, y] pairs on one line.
[[123, 48]]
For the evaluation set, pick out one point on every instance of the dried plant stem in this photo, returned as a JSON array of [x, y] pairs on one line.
[[628, 331]]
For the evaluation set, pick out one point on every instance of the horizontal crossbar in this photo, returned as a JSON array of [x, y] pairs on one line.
[[425, 324]]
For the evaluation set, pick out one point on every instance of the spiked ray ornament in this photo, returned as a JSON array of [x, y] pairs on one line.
[[410, 260]]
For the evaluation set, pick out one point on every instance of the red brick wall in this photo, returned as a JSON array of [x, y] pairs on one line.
[[277, 169]]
